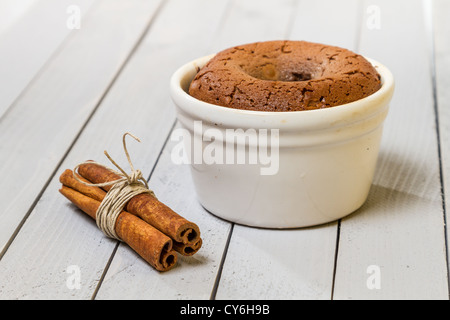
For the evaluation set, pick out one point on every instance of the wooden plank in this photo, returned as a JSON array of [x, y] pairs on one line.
[[337, 25], [176, 180], [39, 130], [290, 264], [38, 30], [138, 102], [170, 45], [129, 277], [11, 11], [442, 65], [251, 21], [279, 264], [394, 246], [176, 186]]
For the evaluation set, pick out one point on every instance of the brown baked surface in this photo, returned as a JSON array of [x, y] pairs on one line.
[[284, 76]]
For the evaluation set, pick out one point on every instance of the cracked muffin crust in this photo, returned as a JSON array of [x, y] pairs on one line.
[[284, 76]]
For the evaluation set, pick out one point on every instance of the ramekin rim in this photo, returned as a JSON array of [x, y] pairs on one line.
[[176, 89]]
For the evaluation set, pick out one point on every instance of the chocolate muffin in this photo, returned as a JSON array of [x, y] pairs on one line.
[[284, 76]]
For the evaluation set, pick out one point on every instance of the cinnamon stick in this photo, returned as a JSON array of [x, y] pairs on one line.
[[152, 245], [187, 249], [98, 194], [148, 208], [68, 180]]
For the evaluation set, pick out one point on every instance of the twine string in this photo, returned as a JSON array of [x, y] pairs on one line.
[[122, 190]]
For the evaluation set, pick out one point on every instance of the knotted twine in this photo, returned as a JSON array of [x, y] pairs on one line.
[[122, 190]]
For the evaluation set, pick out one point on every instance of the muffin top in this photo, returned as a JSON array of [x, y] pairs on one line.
[[284, 76]]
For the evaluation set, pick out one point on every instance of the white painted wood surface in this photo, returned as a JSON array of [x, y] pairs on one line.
[[12, 11], [400, 230], [441, 27], [294, 264], [31, 31], [47, 118], [84, 88]]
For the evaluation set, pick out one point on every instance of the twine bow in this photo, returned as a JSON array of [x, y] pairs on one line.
[[122, 190]]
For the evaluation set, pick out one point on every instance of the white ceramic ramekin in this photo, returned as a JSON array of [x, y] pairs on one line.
[[326, 158]]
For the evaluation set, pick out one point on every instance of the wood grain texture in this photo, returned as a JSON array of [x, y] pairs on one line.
[[139, 103], [439, 15], [290, 264], [37, 132], [32, 32], [179, 185], [328, 22], [400, 229], [175, 184], [40, 130], [251, 21], [129, 277], [83, 89]]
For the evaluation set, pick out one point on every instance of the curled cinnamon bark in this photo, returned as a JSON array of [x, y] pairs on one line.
[[148, 208], [152, 245], [187, 249], [67, 179]]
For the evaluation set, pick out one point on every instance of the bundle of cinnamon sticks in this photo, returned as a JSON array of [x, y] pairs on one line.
[[147, 225]]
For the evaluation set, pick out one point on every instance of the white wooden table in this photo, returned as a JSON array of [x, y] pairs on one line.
[[69, 91]]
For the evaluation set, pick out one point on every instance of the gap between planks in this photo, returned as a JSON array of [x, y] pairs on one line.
[[430, 29], [345, 286], [102, 117], [105, 270], [225, 16], [110, 85], [39, 67], [357, 41]]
